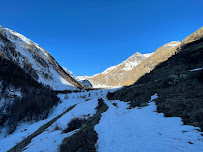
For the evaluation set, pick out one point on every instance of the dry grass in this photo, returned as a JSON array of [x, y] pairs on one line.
[[179, 90]]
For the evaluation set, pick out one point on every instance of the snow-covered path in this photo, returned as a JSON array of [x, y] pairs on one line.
[[143, 130], [25, 129], [119, 129]]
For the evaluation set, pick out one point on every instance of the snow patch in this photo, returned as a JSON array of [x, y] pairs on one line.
[[142, 130], [147, 55], [198, 69], [172, 44]]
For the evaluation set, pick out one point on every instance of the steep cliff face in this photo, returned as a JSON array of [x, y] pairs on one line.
[[35, 61]]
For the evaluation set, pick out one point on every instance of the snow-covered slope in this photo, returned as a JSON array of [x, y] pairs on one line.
[[120, 128], [34, 60], [172, 44], [82, 79], [144, 130], [70, 73], [134, 60], [47, 141]]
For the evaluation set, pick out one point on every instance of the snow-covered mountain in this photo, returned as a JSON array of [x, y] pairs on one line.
[[35, 61], [130, 70], [81, 79], [115, 75], [161, 112], [70, 73]]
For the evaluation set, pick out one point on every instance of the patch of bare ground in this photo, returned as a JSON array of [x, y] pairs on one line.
[[85, 139]]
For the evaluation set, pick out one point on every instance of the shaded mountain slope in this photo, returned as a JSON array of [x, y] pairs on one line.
[[22, 98], [35, 61], [28, 75], [177, 81]]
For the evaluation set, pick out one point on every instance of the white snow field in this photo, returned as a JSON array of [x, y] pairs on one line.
[[120, 129], [144, 130], [25, 129], [49, 140]]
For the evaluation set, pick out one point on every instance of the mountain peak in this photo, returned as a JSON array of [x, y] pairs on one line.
[[137, 53], [115, 75]]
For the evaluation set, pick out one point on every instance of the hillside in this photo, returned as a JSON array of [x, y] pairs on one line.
[[29, 77], [133, 68], [116, 75], [177, 81], [82, 80], [22, 98], [35, 61]]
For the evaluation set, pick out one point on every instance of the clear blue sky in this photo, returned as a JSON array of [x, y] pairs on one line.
[[88, 36]]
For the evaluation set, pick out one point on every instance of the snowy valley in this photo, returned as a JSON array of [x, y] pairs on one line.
[[148, 103], [120, 128]]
